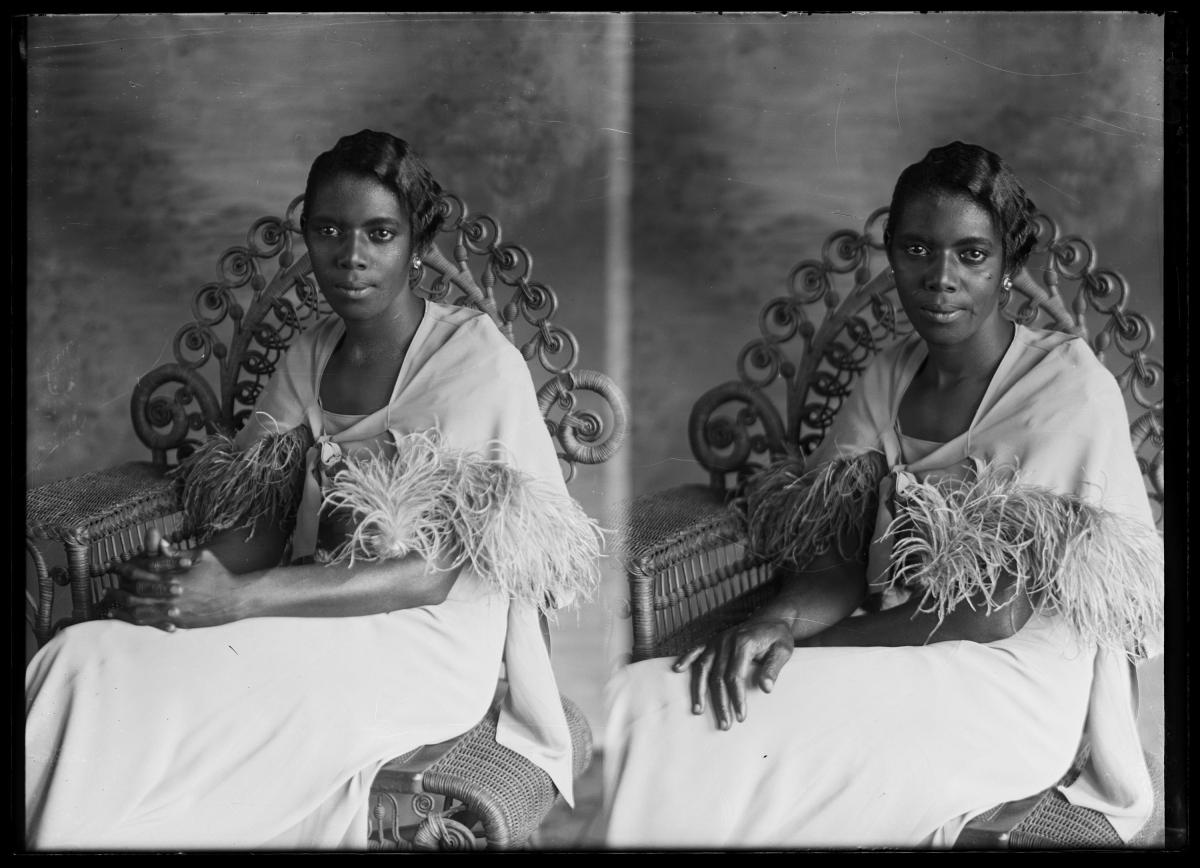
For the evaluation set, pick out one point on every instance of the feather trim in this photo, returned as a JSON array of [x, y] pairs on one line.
[[224, 487], [956, 539], [795, 515], [459, 508]]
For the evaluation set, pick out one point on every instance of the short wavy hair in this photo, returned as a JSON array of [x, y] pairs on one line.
[[980, 175], [396, 165]]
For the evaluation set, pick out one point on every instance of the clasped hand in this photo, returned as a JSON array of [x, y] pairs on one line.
[[752, 652], [166, 588]]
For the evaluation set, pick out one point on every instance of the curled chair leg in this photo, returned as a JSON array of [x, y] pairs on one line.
[[45, 600], [472, 781], [79, 569]]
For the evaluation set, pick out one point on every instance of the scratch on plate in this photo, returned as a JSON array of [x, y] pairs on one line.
[[837, 113], [997, 68], [234, 650], [666, 460], [896, 91], [1114, 126], [1057, 190], [615, 130], [1090, 129], [1136, 115]]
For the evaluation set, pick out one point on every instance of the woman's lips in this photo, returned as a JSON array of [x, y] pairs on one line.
[[353, 290], [942, 314]]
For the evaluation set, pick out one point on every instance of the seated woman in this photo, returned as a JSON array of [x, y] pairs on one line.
[[431, 526], [985, 470]]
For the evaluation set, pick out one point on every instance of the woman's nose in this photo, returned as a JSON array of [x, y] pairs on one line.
[[351, 254], [942, 275]]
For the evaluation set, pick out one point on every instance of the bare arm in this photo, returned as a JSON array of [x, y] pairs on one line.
[[906, 625], [202, 591], [812, 609], [814, 599]]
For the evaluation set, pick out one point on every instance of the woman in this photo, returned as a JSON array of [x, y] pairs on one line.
[[403, 440], [984, 470]]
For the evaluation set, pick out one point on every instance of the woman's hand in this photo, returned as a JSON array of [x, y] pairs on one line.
[[203, 595], [145, 585], [167, 589], [756, 649]]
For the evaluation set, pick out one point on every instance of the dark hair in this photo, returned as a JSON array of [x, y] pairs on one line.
[[975, 172], [396, 165]]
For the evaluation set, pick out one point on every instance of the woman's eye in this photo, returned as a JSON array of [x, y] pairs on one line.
[[973, 256], [915, 250], [327, 231], [383, 234]]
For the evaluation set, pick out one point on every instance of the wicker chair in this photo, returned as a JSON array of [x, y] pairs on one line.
[[690, 572], [463, 794]]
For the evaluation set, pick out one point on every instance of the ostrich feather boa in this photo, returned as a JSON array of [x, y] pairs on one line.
[[793, 515], [456, 508], [225, 487], [956, 539]]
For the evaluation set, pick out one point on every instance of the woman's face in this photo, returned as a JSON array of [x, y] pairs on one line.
[[359, 240], [949, 263]]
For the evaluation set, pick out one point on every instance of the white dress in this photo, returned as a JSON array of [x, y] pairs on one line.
[[855, 747], [267, 732], [260, 733], [900, 747]]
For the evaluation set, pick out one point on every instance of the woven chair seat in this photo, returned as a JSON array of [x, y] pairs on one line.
[[510, 795], [1045, 821], [653, 525], [99, 502]]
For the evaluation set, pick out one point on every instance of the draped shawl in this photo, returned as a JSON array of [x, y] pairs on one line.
[[1055, 415], [464, 379]]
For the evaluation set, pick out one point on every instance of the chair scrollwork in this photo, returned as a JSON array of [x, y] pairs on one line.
[[265, 295], [840, 310]]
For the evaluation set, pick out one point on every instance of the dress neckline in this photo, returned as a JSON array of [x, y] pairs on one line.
[[913, 449]]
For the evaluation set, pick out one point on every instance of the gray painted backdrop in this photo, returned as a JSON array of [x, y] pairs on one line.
[[154, 142]]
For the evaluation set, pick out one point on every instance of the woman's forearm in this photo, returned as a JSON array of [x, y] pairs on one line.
[[907, 625], [817, 603], [818, 597], [339, 590]]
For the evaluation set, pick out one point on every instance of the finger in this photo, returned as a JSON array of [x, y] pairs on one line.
[[131, 574], [151, 541], [689, 658], [735, 676], [772, 664], [143, 616], [117, 614], [157, 589], [125, 600], [700, 669], [717, 688], [144, 585], [168, 563]]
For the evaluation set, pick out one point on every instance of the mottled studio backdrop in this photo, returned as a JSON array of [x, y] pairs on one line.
[[154, 142]]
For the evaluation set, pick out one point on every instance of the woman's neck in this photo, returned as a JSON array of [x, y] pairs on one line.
[[387, 336], [948, 366]]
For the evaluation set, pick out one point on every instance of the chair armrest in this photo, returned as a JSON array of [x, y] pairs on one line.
[[97, 517], [690, 571], [100, 503]]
